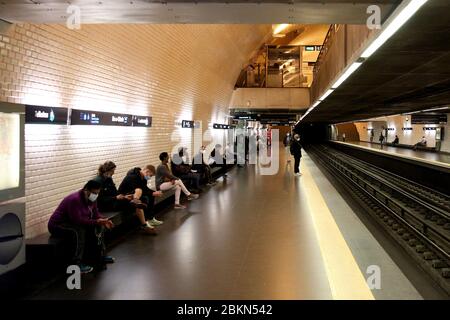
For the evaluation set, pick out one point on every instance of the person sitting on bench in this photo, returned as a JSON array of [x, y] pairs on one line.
[[135, 184], [421, 143], [182, 169], [110, 200], [202, 167], [217, 159], [165, 181], [396, 140], [78, 219]]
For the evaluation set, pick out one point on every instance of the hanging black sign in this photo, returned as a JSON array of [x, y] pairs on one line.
[[221, 126]]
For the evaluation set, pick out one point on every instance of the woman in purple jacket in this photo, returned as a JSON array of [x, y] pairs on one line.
[[78, 219]]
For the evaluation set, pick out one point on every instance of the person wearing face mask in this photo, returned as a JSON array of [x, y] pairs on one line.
[[296, 151], [135, 186], [199, 164], [78, 219]]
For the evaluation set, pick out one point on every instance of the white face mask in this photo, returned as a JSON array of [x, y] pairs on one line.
[[92, 197]]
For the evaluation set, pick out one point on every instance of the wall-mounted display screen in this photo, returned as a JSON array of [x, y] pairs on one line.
[[246, 116], [9, 150], [83, 117], [45, 115], [141, 121], [429, 118]]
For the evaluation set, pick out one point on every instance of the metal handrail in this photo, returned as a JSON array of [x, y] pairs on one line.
[[325, 46]]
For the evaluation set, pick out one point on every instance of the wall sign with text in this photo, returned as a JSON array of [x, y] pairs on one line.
[[221, 126], [190, 124], [45, 115], [84, 117], [141, 121]]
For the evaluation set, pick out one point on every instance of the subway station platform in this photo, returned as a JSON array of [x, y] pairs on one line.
[[251, 236], [428, 157]]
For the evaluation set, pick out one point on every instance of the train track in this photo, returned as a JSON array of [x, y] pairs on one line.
[[417, 217]]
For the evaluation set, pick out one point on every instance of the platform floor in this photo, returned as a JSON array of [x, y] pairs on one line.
[[419, 154], [251, 236]]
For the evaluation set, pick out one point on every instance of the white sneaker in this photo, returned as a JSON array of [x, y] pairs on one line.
[[193, 196], [298, 174], [154, 222]]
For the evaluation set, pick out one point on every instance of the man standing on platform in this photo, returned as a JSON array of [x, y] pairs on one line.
[[296, 151]]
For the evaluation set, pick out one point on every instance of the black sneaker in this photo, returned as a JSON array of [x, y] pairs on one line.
[[108, 259]]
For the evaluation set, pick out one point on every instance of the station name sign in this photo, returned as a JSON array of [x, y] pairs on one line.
[[45, 115]]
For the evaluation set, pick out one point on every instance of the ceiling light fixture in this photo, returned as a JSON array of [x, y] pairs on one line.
[[280, 28], [346, 74], [326, 94], [408, 11]]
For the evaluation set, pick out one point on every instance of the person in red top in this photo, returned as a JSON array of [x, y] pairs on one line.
[[77, 218]]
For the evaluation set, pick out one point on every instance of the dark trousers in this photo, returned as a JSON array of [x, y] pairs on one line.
[[149, 200], [193, 178], [297, 164], [204, 170], [87, 240]]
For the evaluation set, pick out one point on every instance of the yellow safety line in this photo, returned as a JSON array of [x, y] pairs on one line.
[[344, 276]]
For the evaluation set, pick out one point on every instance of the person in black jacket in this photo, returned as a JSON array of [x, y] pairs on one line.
[[109, 199], [296, 151], [203, 167], [396, 140], [135, 185], [182, 169], [217, 159]]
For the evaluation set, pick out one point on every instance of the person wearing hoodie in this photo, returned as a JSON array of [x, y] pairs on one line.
[[77, 219]]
